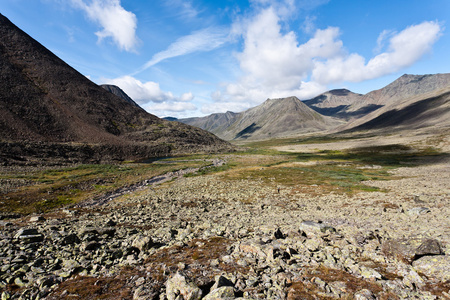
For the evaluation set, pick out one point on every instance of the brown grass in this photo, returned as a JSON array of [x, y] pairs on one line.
[[84, 287], [306, 289], [196, 256]]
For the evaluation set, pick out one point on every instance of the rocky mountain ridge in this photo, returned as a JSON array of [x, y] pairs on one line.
[[273, 118], [351, 108]]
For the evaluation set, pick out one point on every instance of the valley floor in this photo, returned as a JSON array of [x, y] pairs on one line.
[[267, 227]]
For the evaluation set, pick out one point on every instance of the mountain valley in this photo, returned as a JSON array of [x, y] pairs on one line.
[[343, 196]]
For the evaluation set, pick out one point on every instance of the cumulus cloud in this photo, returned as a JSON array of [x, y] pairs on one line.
[[405, 48], [274, 64], [152, 98], [145, 92], [203, 40], [116, 22]]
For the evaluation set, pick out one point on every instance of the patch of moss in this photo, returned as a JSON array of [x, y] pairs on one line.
[[54, 188]]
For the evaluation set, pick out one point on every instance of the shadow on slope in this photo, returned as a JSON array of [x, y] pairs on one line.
[[246, 132], [342, 113], [415, 115]]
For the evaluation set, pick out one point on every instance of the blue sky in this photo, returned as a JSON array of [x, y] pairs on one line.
[[193, 58]]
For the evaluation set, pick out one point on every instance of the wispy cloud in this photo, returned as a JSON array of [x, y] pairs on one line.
[[203, 40], [116, 22], [183, 8], [381, 41]]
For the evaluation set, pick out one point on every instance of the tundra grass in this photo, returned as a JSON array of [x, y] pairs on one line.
[[45, 190], [326, 171]]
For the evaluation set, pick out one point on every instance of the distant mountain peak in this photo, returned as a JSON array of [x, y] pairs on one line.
[[276, 117]]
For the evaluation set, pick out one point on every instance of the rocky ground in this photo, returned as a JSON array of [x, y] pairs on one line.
[[205, 237]]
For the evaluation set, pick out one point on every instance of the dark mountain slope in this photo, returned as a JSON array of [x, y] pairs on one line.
[[43, 100]]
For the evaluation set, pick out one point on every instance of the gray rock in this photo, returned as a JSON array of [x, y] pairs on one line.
[[408, 250], [6, 295], [314, 227], [415, 211], [29, 235], [224, 292], [221, 281], [364, 294], [437, 266], [142, 242], [181, 285], [37, 218], [90, 246], [70, 239]]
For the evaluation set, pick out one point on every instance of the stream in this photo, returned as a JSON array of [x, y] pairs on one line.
[[156, 180]]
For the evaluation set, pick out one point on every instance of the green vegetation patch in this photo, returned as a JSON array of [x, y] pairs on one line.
[[53, 188], [320, 139], [327, 177], [331, 170]]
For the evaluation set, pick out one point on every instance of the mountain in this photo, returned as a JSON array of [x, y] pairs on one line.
[[273, 118], [411, 100], [336, 103], [215, 123], [48, 109], [118, 92], [424, 110], [405, 87], [349, 106]]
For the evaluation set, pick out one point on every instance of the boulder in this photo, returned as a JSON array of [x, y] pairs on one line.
[[142, 242], [410, 249], [437, 266], [224, 292], [310, 227], [29, 235], [415, 211], [181, 285]]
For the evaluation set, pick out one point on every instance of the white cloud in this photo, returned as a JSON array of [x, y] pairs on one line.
[[203, 40], [184, 8], [405, 48], [116, 22], [169, 107], [145, 92], [275, 64], [381, 41], [309, 25], [186, 97]]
